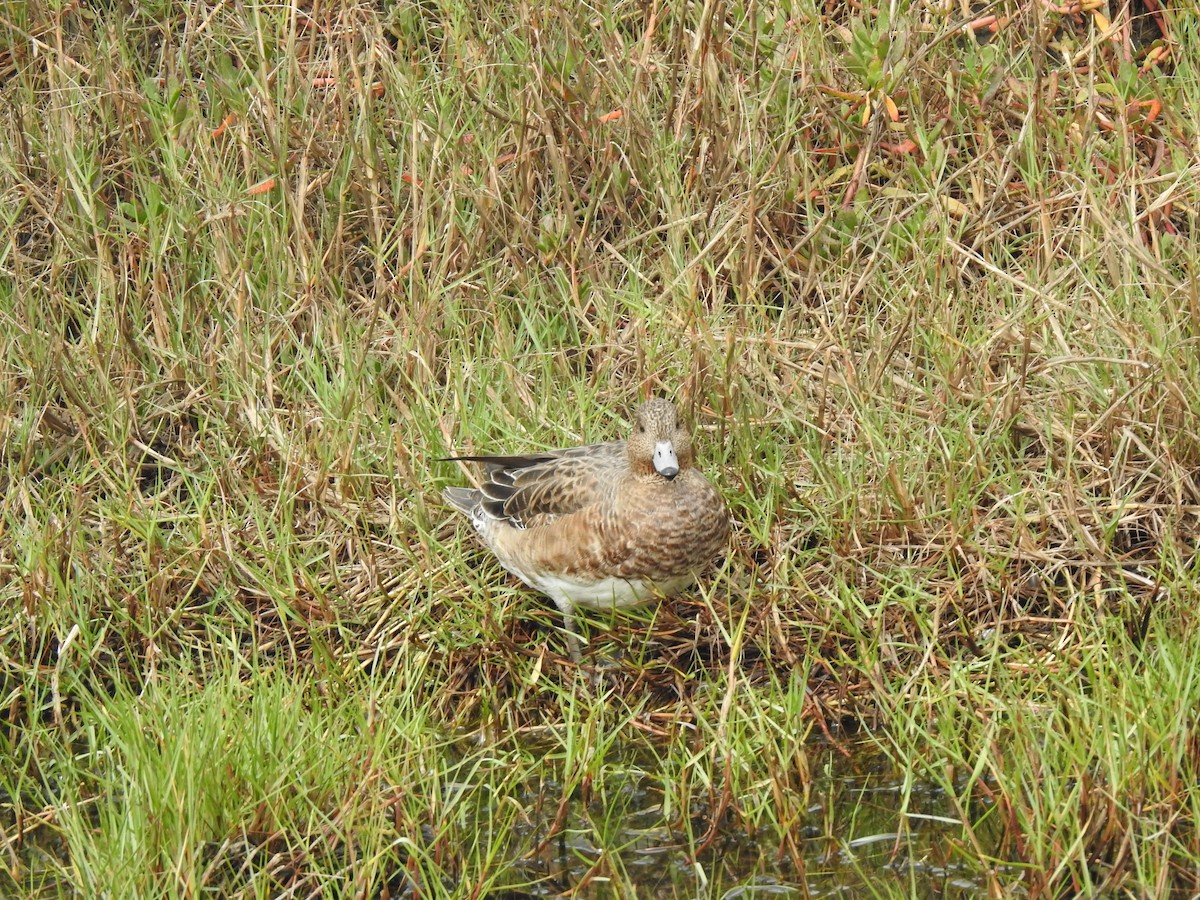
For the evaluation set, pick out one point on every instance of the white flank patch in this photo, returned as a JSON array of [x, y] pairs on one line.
[[607, 593]]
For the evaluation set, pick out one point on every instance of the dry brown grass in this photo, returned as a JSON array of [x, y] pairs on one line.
[[929, 300]]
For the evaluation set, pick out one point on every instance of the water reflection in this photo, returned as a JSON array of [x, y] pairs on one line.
[[856, 836], [856, 839]]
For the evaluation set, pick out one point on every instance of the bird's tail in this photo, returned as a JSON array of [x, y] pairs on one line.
[[465, 500]]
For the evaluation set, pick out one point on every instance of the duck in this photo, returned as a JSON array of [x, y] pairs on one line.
[[602, 526]]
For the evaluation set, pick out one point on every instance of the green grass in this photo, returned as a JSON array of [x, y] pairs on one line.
[[261, 267]]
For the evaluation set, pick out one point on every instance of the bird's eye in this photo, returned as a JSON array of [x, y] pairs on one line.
[[641, 428]]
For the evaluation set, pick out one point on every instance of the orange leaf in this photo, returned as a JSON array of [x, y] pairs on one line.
[[1154, 57], [990, 23], [841, 95], [262, 187], [220, 129]]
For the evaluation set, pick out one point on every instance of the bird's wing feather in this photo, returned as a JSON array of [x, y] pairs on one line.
[[538, 488]]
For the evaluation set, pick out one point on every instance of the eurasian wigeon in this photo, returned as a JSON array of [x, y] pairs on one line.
[[604, 525]]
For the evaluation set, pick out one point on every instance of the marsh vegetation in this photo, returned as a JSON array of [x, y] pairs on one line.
[[922, 278]]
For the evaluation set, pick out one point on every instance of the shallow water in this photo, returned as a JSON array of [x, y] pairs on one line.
[[854, 841]]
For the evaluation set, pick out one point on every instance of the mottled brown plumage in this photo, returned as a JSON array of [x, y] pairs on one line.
[[605, 525]]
